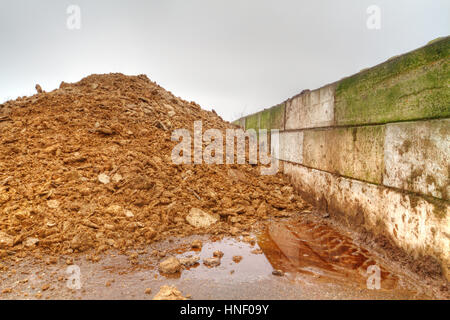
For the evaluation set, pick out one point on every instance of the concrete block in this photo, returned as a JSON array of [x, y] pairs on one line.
[[252, 121], [409, 87], [352, 152], [311, 109], [327, 93], [275, 144], [417, 157], [273, 118], [315, 97], [413, 223], [287, 146], [240, 123]]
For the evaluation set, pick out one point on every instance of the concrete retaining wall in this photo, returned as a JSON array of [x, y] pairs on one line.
[[374, 149]]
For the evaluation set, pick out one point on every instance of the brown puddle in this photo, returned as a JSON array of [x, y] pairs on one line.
[[311, 254], [318, 261], [302, 249], [252, 267], [321, 252]]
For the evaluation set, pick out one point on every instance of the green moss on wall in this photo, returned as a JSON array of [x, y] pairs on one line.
[[265, 120], [273, 118], [352, 152], [412, 86], [252, 122]]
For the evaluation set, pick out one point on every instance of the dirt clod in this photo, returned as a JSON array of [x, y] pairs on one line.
[[218, 254], [257, 251], [170, 265], [237, 259], [39, 89], [278, 273], [200, 219], [189, 261], [6, 290], [196, 244], [211, 262], [169, 293]]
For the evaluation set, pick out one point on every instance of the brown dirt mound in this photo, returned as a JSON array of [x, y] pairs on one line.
[[87, 167]]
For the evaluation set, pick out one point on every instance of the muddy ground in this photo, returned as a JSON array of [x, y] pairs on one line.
[[312, 256]]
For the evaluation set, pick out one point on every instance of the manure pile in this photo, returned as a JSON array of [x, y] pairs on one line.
[[88, 167]]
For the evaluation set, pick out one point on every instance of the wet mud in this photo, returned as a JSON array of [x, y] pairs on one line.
[[313, 261]]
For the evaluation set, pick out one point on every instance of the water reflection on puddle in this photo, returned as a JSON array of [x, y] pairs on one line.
[[302, 249], [320, 252], [251, 267]]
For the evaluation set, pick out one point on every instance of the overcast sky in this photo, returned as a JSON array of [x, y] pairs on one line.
[[236, 56]]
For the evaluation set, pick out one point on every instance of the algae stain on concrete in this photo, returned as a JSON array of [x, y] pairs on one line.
[[411, 86]]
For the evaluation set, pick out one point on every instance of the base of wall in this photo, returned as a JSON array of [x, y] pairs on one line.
[[419, 226]]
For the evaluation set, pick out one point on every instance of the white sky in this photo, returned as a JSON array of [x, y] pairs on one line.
[[236, 56]]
